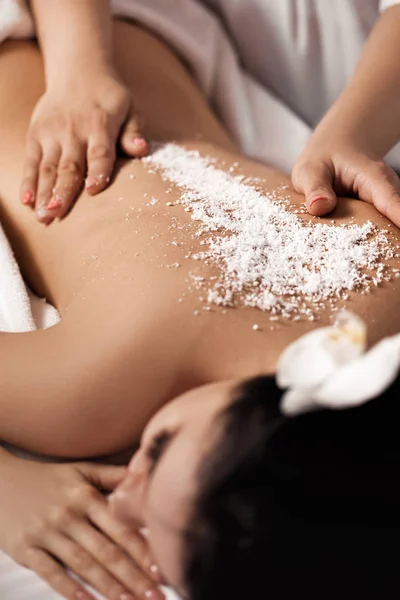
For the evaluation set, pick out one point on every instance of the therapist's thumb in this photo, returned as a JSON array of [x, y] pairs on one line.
[[314, 180], [132, 139]]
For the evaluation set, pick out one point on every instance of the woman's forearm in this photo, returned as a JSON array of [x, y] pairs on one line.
[[61, 397], [369, 108], [39, 402], [74, 36]]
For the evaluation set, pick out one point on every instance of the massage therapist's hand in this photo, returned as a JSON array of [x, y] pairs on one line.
[[54, 517], [328, 168], [72, 140]]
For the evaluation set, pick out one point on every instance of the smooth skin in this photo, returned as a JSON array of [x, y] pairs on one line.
[[125, 346]]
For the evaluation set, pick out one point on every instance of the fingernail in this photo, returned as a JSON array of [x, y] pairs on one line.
[[91, 182], [94, 182], [139, 141], [27, 197], [55, 202], [41, 212], [316, 199], [126, 596], [83, 595], [140, 145], [154, 594], [155, 571]]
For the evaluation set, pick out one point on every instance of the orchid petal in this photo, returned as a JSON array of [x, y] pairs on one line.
[[362, 380], [307, 362], [296, 402], [348, 337]]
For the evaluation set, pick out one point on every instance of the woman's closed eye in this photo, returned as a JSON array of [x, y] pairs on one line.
[[157, 448]]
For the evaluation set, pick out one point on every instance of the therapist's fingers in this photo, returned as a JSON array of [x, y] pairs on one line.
[[47, 178], [101, 154], [30, 172], [314, 179], [378, 184], [69, 178], [51, 571]]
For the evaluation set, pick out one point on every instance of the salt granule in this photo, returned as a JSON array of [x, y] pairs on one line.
[[268, 256]]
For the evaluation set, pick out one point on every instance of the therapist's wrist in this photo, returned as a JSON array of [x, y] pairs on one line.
[[78, 69], [350, 122]]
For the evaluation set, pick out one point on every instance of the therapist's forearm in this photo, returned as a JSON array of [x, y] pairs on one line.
[[368, 111], [75, 37]]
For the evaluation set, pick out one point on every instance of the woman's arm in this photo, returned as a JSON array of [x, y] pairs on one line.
[[61, 396], [368, 111], [38, 378], [85, 109], [81, 389], [345, 153], [75, 37]]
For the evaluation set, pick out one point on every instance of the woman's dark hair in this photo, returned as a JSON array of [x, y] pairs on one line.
[[303, 507]]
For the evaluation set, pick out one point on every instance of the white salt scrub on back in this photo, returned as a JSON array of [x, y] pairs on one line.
[[269, 257]]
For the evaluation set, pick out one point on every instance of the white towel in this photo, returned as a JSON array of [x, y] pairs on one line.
[[20, 310]]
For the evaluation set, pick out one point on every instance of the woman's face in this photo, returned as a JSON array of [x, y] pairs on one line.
[[160, 487]]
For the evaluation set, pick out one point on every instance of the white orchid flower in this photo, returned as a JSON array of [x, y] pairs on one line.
[[330, 367]]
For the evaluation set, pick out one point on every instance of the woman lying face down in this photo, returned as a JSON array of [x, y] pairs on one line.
[[231, 502], [238, 497]]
